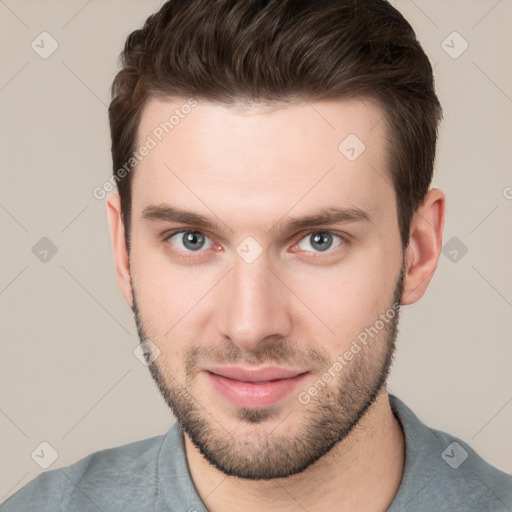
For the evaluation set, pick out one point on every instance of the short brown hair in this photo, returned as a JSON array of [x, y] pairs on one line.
[[242, 51]]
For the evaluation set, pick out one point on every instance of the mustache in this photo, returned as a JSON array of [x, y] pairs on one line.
[[274, 351]]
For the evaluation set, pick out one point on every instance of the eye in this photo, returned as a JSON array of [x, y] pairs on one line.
[[320, 241], [190, 240]]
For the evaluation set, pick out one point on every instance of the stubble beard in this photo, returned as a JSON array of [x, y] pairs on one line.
[[257, 452]]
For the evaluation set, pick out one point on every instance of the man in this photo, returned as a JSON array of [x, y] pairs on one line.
[[273, 161]]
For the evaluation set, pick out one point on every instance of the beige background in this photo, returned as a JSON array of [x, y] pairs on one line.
[[68, 375]]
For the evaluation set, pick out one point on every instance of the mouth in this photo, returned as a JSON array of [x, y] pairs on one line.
[[254, 388]]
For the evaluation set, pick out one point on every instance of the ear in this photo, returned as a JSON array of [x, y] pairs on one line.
[[120, 252], [425, 244]]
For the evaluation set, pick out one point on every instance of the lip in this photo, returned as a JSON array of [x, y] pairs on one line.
[[254, 388]]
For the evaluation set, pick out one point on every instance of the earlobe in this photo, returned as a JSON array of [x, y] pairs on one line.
[[119, 245], [425, 243]]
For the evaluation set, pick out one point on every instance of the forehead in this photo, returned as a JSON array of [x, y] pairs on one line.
[[262, 158]]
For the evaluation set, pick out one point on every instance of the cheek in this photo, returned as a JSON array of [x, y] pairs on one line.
[[351, 296], [166, 293], [168, 298]]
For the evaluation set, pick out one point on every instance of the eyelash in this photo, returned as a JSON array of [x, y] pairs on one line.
[[195, 254]]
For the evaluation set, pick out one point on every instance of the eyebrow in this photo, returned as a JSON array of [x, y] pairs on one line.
[[323, 216], [167, 213]]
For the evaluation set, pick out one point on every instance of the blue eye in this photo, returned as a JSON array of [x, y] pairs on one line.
[[190, 240], [319, 241]]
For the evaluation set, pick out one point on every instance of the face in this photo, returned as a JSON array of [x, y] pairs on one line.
[[266, 271]]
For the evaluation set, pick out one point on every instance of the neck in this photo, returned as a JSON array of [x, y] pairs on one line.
[[371, 457]]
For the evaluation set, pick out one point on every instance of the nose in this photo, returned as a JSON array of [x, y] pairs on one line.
[[254, 305]]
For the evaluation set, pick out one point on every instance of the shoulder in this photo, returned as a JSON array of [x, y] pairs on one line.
[[442, 472], [467, 478], [113, 477]]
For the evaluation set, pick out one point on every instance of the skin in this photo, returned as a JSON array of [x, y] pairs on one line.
[[248, 169]]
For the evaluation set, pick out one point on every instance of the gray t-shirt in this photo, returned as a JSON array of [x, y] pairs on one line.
[[442, 473]]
